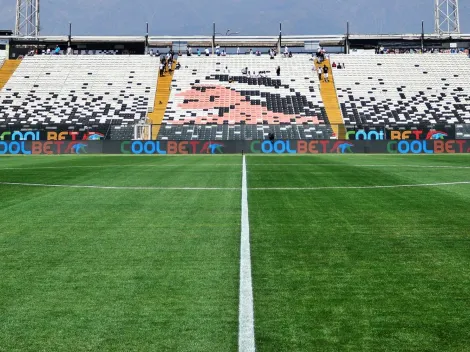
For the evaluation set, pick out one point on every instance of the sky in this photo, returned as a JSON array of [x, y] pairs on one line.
[[249, 17]]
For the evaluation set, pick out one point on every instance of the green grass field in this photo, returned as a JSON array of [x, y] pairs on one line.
[[148, 257]]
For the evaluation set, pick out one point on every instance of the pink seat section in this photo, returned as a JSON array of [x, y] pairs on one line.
[[218, 104]]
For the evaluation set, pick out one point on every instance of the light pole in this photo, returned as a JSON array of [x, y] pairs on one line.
[[227, 33]]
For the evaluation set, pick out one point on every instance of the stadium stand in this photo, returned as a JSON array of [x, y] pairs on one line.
[[212, 99], [162, 96], [80, 91], [2, 57], [403, 90], [6, 71], [330, 99]]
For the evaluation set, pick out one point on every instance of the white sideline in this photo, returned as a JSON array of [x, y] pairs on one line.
[[365, 165], [232, 188], [109, 166], [246, 329], [359, 187], [218, 164], [137, 188]]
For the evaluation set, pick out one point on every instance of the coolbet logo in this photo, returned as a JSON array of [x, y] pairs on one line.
[[428, 147], [417, 134], [49, 136], [79, 148], [171, 147], [268, 147], [300, 147], [20, 136], [94, 136], [212, 148], [362, 135], [40, 147], [342, 147], [436, 135]]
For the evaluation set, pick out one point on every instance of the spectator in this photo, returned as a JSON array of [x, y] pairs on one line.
[[69, 51], [278, 71], [224, 53], [245, 71], [238, 50], [198, 52], [334, 64], [325, 74], [178, 65], [57, 50], [48, 51], [339, 66], [286, 51], [271, 136], [319, 73], [344, 66], [217, 50], [290, 53], [251, 51], [207, 51]]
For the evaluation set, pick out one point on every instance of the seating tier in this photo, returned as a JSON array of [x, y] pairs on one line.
[[403, 90], [212, 99], [79, 90]]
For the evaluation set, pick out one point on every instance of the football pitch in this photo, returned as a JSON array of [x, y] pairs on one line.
[[143, 253]]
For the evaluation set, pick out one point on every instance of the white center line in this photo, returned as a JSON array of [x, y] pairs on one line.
[[246, 328]]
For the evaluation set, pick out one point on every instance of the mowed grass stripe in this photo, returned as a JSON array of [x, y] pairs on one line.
[[360, 270], [92, 270], [350, 175], [96, 173]]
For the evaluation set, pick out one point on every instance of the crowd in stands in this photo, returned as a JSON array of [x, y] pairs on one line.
[[320, 55], [382, 50], [48, 51], [166, 63], [222, 52], [339, 66], [69, 51]]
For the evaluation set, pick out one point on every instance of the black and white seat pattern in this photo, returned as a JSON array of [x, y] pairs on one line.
[[403, 90], [80, 90], [212, 99]]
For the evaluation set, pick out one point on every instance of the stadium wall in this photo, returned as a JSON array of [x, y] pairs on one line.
[[137, 147]]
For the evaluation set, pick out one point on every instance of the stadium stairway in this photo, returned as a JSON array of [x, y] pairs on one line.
[[330, 99], [162, 95], [7, 70]]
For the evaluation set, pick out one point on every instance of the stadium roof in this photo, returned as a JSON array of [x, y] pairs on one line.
[[242, 41]]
